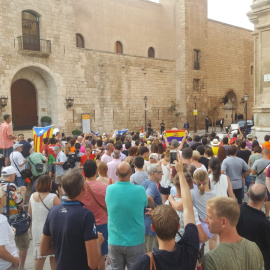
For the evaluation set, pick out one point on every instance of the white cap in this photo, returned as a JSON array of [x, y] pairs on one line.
[[8, 170], [16, 145]]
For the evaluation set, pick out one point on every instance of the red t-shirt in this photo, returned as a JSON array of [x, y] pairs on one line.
[[50, 151], [44, 148], [84, 158]]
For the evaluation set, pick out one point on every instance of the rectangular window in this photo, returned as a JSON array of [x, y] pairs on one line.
[[251, 70], [196, 85], [196, 59]]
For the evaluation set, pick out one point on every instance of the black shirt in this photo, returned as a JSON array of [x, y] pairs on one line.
[[70, 225], [204, 161], [244, 154], [183, 257], [25, 148], [254, 226], [195, 145]]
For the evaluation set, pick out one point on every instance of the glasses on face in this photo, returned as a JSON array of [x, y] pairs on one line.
[[159, 172]]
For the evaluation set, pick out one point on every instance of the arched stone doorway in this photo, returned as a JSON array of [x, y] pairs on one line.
[[46, 91], [24, 105], [230, 108]]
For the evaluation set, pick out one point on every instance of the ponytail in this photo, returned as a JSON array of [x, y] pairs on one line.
[[215, 165], [201, 180]]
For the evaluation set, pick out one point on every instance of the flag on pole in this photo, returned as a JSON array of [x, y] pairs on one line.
[[39, 133], [175, 134], [120, 132], [96, 134], [141, 130]]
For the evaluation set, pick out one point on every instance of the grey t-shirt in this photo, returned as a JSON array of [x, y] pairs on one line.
[[199, 201], [260, 165], [138, 177], [233, 167], [61, 157]]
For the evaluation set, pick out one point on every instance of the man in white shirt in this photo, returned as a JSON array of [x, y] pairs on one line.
[[18, 162], [112, 166], [59, 162], [107, 157]]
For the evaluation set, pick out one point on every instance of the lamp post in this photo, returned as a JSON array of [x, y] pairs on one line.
[[245, 110], [145, 108], [195, 114]]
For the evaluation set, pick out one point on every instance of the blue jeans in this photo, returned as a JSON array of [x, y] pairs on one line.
[[19, 181], [247, 182]]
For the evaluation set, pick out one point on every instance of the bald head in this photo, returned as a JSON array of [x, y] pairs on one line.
[[257, 193], [109, 148], [124, 172]]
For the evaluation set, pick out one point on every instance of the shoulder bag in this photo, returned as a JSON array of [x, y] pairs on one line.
[[43, 202], [38, 166], [262, 170], [26, 173], [22, 222], [152, 261], [92, 194]]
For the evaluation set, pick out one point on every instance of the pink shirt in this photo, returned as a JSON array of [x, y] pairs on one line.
[[99, 190], [112, 166], [5, 131], [105, 158]]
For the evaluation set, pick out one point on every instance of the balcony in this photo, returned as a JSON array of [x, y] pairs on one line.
[[34, 47]]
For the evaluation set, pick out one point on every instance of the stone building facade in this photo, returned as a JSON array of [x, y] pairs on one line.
[[108, 55]]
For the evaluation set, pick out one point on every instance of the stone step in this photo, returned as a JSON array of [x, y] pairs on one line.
[[27, 133]]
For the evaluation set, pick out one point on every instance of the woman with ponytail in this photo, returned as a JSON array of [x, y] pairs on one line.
[[199, 197], [220, 183]]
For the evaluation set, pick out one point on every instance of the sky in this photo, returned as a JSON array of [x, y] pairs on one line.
[[229, 11]]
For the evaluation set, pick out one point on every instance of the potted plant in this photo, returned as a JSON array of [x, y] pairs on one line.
[[45, 121], [76, 132]]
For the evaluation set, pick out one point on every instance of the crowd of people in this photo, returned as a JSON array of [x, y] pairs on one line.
[[136, 200]]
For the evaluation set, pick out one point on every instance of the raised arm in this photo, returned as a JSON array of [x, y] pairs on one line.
[[241, 134], [185, 193], [183, 141]]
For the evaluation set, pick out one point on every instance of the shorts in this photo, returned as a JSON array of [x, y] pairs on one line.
[[51, 168], [19, 181], [7, 152], [165, 191], [58, 180], [104, 230], [206, 229], [22, 241]]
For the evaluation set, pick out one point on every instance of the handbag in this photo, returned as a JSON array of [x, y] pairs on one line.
[[22, 222], [152, 261], [26, 173], [92, 194], [43, 202], [38, 166]]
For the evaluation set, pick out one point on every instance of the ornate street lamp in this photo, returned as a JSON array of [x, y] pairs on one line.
[[3, 101], [145, 109], [195, 114], [69, 102]]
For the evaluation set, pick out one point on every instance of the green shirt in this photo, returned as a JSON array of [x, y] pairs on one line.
[[36, 158], [244, 255], [125, 204]]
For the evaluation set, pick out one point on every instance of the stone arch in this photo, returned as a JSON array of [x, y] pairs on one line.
[[230, 107], [46, 89]]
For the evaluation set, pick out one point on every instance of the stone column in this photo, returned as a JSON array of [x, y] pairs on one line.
[[260, 17]]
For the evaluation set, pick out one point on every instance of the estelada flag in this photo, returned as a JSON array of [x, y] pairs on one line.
[[39, 133], [175, 134]]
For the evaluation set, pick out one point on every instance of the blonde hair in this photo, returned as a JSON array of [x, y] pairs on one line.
[[167, 155], [67, 149], [201, 180], [102, 169], [196, 155], [225, 207]]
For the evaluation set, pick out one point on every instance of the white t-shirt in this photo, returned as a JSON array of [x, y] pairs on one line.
[[221, 186], [7, 240], [18, 158]]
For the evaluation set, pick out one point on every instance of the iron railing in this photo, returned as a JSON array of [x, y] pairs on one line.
[[34, 44]]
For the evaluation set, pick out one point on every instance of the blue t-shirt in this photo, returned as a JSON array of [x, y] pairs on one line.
[[70, 225], [152, 190], [125, 206]]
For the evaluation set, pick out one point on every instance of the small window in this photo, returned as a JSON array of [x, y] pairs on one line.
[[151, 52], [79, 41], [196, 59], [196, 85], [118, 47], [251, 70]]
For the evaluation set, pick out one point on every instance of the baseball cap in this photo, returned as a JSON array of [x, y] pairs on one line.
[[154, 156], [16, 145], [8, 170]]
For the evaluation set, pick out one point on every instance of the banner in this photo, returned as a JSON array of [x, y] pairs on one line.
[[39, 133], [175, 134]]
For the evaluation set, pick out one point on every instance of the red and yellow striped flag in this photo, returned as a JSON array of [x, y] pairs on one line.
[[39, 133]]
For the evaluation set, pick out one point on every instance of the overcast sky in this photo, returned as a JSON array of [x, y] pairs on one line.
[[229, 11]]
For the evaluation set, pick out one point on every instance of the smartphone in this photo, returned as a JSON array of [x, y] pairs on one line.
[[173, 157]]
